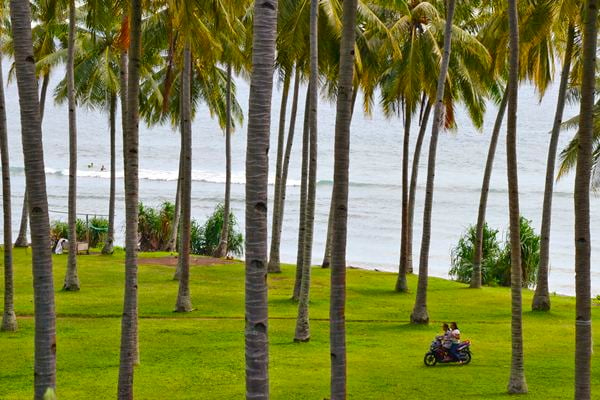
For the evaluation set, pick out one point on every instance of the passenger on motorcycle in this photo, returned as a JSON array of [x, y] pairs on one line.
[[455, 341]]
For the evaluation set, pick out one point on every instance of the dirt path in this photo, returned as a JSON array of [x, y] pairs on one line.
[[171, 261]]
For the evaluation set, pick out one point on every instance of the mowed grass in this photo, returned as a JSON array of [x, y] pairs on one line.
[[200, 355]]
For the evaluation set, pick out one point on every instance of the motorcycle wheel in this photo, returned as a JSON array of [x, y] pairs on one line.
[[430, 359], [466, 357]]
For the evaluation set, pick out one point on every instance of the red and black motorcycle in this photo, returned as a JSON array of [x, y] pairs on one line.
[[438, 354]]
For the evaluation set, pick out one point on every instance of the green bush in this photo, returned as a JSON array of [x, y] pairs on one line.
[[495, 268], [60, 229], [154, 226], [205, 238], [462, 255]]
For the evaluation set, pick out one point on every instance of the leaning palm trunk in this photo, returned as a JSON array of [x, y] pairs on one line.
[[583, 316], [303, 194], [419, 314], [71, 278], [22, 236], [485, 188], [184, 301], [274, 262], [257, 180], [129, 336], [33, 154], [223, 247], [413, 187], [541, 299], [302, 322], [110, 237], [172, 244], [337, 317], [288, 153], [327, 252], [9, 319], [517, 382], [401, 284]]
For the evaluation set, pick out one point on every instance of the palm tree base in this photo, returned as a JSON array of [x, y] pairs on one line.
[[419, 317], [540, 302], [21, 242], [325, 264], [517, 386], [401, 285], [221, 251], [302, 340], [108, 247], [9, 322], [71, 285], [184, 304], [274, 267]]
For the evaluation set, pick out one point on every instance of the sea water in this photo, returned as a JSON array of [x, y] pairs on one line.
[[375, 177]]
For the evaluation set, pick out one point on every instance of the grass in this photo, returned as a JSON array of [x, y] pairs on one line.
[[200, 355]]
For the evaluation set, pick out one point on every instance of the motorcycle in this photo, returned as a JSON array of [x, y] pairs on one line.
[[438, 354]]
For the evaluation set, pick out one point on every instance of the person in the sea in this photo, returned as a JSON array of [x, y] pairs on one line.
[[455, 341], [91, 165], [102, 169]]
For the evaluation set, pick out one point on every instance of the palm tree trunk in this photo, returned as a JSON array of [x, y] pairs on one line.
[[302, 322], [274, 262], [401, 284], [71, 278], [541, 299], [517, 382], [476, 279], [303, 194], [337, 317], [110, 237], [172, 244], [31, 135], [420, 314], [288, 153], [413, 186], [129, 335], [583, 317], [9, 319], [22, 236], [327, 252], [223, 247], [257, 181], [184, 301]]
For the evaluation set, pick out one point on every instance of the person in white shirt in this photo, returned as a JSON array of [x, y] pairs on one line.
[[455, 337]]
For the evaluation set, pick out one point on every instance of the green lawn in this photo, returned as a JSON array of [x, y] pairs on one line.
[[200, 355]]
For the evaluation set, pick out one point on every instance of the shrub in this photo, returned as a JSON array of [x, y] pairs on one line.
[[462, 255], [205, 238], [496, 260], [154, 226], [60, 229]]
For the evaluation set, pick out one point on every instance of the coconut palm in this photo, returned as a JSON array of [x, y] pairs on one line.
[[302, 322], [257, 166], [31, 133], [71, 277], [541, 299], [130, 155], [337, 318], [9, 319], [517, 382], [420, 314], [583, 316]]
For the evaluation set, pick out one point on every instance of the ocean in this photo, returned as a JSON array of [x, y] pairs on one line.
[[375, 178]]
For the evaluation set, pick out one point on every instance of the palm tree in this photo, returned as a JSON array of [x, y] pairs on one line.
[[257, 166], [130, 155], [184, 301], [302, 323], [9, 319], [337, 318], [583, 317], [31, 134], [71, 278], [541, 299], [303, 195], [419, 314], [517, 382]]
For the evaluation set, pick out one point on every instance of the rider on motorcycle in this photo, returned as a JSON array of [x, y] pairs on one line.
[[455, 341]]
